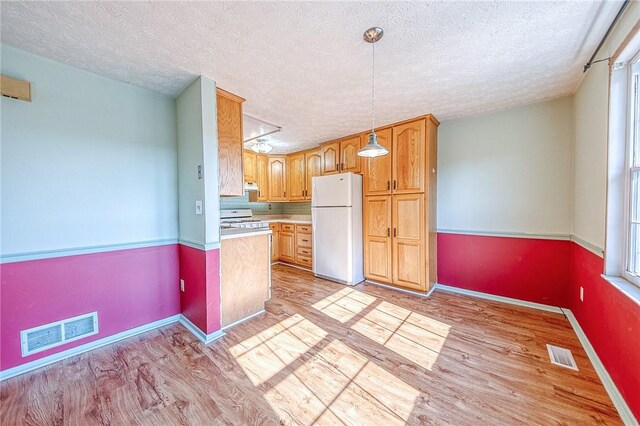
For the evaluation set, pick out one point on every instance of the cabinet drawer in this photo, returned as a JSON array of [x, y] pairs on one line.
[[289, 227], [274, 226], [303, 229], [304, 251], [303, 240], [304, 261]]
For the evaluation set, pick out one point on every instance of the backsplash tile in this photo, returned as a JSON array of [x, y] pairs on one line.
[[227, 203]]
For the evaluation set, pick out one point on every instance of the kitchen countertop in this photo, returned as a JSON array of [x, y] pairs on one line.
[[228, 233], [295, 218]]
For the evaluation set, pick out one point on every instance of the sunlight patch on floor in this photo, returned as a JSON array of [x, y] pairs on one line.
[[344, 304], [338, 385], [409, 334], [266, 353]]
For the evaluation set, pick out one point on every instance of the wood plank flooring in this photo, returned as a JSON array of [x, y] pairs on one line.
[[324, 353]]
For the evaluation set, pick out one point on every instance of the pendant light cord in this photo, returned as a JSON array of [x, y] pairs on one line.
[[373, 79]]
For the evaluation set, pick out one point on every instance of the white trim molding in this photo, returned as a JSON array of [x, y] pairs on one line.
[[618, 401], [403, 290], [201, 335], [199, 246], [240, 321], [598, 251], [506, 234], [76, 251], [50, 359], [518, 302]]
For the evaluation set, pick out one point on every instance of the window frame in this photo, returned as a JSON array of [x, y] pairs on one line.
[[632, 128]]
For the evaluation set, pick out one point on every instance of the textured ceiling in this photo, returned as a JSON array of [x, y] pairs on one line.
[[304, 65]]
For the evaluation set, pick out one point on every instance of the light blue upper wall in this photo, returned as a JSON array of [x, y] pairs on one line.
[[90, 161]]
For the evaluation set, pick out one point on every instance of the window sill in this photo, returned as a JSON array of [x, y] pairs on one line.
[[629, 289]]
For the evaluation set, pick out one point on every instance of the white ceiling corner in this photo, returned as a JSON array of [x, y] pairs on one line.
[[304, 65]]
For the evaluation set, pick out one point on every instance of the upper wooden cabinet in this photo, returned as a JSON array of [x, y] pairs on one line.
[[277, 169], [377, 171], [313, 167], [349, 160], [249, 161], [296, 182], [409, 157], [331, 158], [262, 177], [230, 143]]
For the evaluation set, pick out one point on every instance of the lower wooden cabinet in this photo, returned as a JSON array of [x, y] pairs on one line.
[[294, 244], [396, 242], [377, 238], [287, 246], [275, 243]]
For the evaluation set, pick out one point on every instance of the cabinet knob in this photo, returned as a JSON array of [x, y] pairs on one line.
[[395, 234], [395, 186], [388, 185]]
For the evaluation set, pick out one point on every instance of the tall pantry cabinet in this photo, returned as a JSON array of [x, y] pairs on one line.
[[399, 212]]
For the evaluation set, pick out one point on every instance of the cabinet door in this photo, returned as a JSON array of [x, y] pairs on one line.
[[230, 143], [275, 244], [377, 238], [262, 172], [349, 160], [313, 166], [377, 171], [287, 248], [295, 176], [409, 154], [409, 263], [249, 159], [277, 179], [330, 158]]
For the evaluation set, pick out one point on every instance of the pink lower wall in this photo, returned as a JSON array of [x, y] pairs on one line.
[[128, 288], [200, 301], [528, 269], [611, 321]]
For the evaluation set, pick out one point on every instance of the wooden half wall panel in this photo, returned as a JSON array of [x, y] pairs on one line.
[[15, 89]]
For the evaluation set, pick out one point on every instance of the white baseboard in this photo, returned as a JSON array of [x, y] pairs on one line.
[[621, 405], [38, 363], [618, 401], [509, 300], [201, 335]]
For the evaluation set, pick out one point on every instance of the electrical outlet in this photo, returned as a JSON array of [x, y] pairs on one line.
[[181, 284], [198, 206], [581, 294]]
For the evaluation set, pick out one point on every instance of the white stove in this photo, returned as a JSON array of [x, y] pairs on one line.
[[240, 218]]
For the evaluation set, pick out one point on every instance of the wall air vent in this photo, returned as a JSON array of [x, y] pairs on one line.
[[562, 357], [48, 336]]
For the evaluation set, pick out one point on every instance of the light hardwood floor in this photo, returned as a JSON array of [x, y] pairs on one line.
[[324, 353]]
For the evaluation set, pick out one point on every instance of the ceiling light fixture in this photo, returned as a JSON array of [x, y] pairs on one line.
[[262, 146], [373, 148]]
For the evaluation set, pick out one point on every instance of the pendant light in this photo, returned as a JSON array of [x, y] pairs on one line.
[[373, 148], [262, 146]]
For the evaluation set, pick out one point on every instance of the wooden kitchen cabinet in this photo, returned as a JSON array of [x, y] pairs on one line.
[[262, 177], [287, 246], [400, 195], [409, 260], [296, 181], [313, 167], [377, 238], [249, 162], [277, 168], [349, 160], [330, 158], [377, 171], [275, 241], [230, 162], [409, 157]]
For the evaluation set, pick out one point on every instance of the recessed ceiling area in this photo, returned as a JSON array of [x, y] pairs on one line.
[[304, 65]]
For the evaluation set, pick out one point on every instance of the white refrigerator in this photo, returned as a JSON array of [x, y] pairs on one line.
[[336, 214]]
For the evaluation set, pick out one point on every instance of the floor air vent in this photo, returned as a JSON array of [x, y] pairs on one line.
[[57, 333], [562, 357]]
